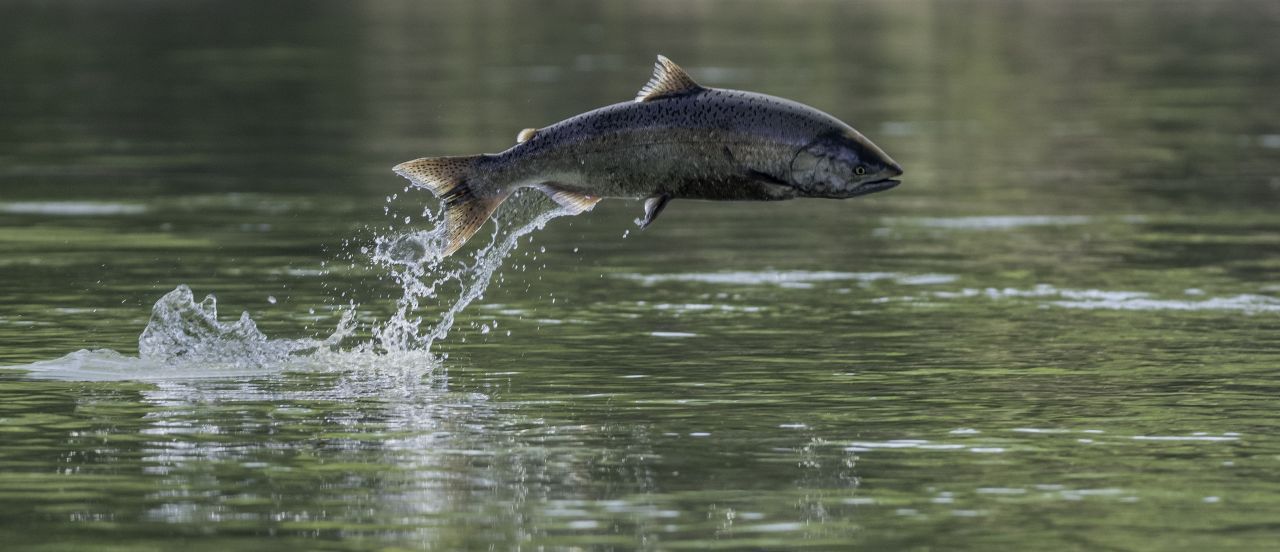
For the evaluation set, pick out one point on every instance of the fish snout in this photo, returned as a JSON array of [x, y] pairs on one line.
[[882, 180], [892, 169]]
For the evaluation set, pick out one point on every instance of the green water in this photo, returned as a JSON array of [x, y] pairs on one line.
[[1061, 332]]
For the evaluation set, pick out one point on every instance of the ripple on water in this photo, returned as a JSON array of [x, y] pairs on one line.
[[676, 335], [993, 222], [1096, 299], [786, 278], [921, 444], [71, 208], [1243, 303], [1194, 437], [699, 307], [109, 365]]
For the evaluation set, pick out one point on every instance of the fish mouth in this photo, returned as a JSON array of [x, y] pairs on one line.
[[873, 187]]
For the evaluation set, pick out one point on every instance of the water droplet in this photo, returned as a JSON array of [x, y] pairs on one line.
[[625, 233], [484, 329], [271, 299]]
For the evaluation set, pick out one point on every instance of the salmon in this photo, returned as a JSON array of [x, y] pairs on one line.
[[676, 140]]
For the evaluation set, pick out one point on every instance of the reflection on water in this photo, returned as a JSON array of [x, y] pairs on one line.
[[1059, 332]]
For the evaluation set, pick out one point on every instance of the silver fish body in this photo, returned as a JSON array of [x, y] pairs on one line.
[[677, 140]]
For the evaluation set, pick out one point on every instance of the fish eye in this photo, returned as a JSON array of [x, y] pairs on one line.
[[859, 170]]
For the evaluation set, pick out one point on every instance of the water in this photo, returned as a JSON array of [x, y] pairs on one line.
[[1058, 333]]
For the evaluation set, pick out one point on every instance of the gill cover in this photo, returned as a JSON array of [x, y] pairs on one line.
[[842, 164], [824, 167]]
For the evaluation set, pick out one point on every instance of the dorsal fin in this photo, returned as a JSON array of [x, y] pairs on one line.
[[668, 80]]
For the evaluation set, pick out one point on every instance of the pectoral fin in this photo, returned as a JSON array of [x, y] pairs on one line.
[[574, 202], [652, 208]]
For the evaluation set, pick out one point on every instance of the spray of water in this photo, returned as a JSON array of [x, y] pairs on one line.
[[415, 263], [182, 330], [185, 339]]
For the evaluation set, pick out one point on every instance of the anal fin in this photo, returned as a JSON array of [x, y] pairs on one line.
[[574, 202], [652, 208]]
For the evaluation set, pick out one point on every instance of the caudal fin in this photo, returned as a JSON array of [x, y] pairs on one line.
[[450, 179]]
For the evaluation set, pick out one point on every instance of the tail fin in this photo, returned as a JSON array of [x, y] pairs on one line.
[[450, 178]]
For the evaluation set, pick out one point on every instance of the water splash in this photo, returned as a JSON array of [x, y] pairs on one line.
[[415, 263], [184, 339], [181, 329]]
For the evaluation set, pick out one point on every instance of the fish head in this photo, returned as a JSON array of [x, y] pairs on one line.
[[842, 164]]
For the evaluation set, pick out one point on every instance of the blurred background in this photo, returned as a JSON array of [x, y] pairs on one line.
[[211, 142], [201, 142], [1086, 240]]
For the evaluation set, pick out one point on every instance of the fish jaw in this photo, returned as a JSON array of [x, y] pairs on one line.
[[872, 187], [886, 178]]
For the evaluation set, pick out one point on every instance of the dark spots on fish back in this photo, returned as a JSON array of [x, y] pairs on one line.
[[712, 110]]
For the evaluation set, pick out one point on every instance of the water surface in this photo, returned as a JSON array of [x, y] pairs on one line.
[[1059, 333]]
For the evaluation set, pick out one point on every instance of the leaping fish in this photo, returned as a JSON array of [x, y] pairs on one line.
[[676, 140]]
